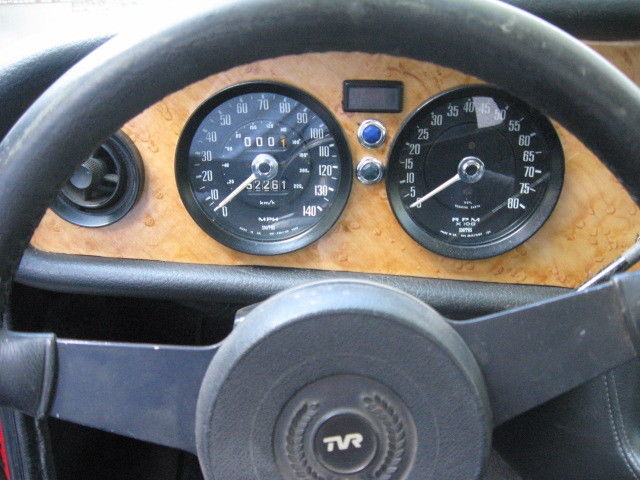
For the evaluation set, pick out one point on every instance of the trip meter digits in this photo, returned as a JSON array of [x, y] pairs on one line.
[[263, 168], [474, 172]]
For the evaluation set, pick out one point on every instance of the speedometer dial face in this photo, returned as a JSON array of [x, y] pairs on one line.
[[263, 168], [474, 172]]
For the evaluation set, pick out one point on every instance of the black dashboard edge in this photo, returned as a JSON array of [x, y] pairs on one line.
[[249, 284], [604, 20]]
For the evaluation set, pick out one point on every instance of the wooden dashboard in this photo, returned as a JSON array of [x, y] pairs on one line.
[[594, 221]]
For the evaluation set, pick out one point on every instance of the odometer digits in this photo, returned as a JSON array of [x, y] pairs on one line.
[[263, 168], [474, 172]]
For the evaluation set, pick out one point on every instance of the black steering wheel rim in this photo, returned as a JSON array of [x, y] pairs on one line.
[[495, 42]]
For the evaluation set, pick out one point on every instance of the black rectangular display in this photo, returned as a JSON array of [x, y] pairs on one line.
[[373, 96]]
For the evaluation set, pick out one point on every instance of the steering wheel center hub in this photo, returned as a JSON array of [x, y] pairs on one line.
[[343, 380]]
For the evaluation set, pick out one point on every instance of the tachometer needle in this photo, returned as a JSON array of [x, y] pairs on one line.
[[236, 191], [456, 178]]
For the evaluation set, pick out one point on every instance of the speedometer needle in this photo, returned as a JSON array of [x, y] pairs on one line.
[[236, 191], [456, 178]]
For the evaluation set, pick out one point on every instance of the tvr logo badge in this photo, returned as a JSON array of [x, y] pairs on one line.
[[343, 443]]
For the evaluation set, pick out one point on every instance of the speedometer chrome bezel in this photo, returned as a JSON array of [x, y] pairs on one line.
[[517, 233], [230, 239]]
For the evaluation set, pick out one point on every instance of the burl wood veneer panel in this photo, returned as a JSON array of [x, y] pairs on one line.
[[594, 221]]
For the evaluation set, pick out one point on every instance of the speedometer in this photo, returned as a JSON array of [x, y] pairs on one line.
[[263, 168], [474, 172]]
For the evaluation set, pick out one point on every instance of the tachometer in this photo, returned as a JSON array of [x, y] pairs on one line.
[[263, 168], [474, 172]]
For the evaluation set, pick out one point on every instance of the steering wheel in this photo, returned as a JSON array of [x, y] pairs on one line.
[[341, 379]]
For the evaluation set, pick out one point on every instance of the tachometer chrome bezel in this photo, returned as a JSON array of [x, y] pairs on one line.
[[517, 233]]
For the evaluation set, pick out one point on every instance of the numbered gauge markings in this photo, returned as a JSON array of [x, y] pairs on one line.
[[474, 172], [263, 168]]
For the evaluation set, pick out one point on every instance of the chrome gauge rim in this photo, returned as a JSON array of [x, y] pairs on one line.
[[445, 242], [206, 218]]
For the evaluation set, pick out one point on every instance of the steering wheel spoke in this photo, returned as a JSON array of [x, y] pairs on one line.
[[148, 392], [534, 353]]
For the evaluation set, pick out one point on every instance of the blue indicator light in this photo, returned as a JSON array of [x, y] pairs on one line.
[[372, 134]]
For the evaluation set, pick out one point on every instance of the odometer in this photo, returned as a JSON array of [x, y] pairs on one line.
[[263, 168], [474, 172]]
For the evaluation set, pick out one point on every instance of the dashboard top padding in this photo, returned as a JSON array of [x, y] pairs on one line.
[[589, 19]]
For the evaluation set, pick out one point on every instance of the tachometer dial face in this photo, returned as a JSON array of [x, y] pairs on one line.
[[474, 172], [263, 168]]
